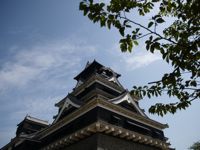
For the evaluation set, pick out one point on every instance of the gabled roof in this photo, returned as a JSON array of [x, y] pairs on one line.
[[125, 96], [65, 103], [69, 97], [30, 125]]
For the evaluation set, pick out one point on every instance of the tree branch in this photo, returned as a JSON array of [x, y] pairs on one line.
[[143, 36], [152, 32]]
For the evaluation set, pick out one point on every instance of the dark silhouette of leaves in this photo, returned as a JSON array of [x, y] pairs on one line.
[[178, 43]]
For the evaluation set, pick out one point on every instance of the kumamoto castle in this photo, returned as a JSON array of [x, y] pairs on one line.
[[99, 114]]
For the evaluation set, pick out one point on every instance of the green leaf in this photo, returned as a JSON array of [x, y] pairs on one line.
[[102, 5], [121, 30], [135, 42], [111, 17], [123, 47], [193, 83], [109, 24], [130, 46], [150, 24], [160, 20], [103, 21]]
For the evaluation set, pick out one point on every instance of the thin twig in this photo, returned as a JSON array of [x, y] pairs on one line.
[[138, 24], [143, 36]]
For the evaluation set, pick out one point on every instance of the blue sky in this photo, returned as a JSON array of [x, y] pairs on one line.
[[45, 43]]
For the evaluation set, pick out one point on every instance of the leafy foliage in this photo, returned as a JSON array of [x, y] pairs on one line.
[[195, 146], [178, 43]]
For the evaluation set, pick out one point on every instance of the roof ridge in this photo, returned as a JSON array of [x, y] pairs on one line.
[[37, 120]]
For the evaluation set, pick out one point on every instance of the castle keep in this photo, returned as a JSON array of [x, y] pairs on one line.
[[99, 114]]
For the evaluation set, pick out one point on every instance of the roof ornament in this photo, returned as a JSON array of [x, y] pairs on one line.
[[110, 75], [87, 64]]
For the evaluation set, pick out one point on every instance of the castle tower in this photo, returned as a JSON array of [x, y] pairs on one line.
[[99, 114]]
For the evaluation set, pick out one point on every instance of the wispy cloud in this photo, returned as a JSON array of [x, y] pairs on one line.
[[42, 60], [139, 60], [34, 79], [134, 60]]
